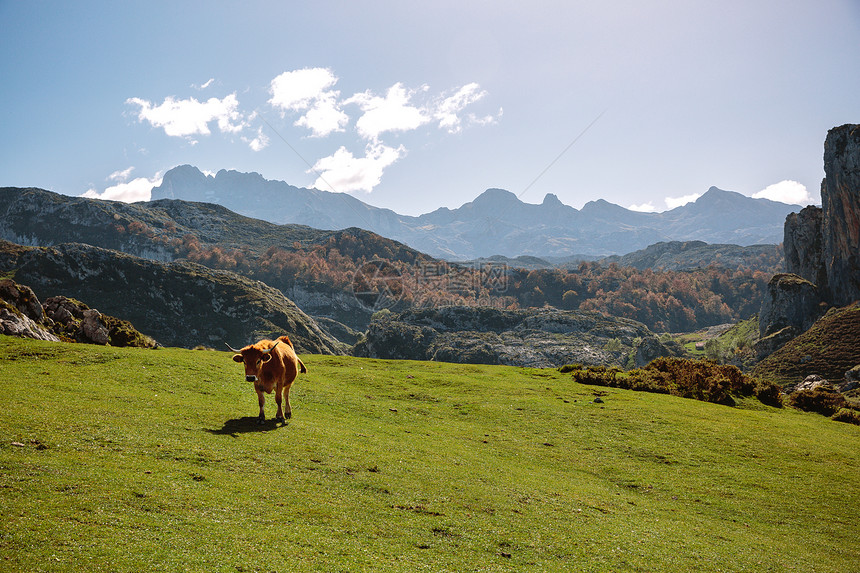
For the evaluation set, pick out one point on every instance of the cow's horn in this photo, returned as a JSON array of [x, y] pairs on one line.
[[233, 349], [272, 348]]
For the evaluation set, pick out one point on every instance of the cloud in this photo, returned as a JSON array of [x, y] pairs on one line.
[[343, 172], [309, 95], [673, 202], [308, 90], [448, 109], [786, 191], [258, 143], [299, 89], [188, 117], [394, 112], [139, 189], [643, 208], [120, 175], [204, 85], [325, 116]]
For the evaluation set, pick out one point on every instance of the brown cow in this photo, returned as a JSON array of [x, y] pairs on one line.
[[271, 365]]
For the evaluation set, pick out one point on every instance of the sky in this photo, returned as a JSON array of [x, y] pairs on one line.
[[415, 106]]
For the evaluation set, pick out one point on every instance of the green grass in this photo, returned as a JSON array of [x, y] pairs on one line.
[[120, 459]]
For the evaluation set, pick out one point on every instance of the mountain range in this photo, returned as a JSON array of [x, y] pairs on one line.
[[496, 222]]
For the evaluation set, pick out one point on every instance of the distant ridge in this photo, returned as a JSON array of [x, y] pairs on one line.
[[496, 222]]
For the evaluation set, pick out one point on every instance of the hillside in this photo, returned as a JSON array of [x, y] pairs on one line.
[[293, 258], [322, 271], [178, 304], [690, 255], [496, 222], [162, 230], [829, 348], [403, 466]]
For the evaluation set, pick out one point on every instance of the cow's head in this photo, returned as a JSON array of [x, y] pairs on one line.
[[253, 358]]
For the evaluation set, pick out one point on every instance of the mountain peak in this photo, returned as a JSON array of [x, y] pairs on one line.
[[552, 200], [715, 196], [494, 195]]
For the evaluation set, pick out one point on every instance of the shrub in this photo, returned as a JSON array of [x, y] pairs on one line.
[[822, 400], [718, 391], [848, 416], [697, 379], [769, 393]]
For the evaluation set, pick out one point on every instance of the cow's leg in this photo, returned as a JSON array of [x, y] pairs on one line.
[[279, 417], [261, 398], [288, 410]]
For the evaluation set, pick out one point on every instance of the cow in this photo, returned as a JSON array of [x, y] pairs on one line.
[[271, 365]]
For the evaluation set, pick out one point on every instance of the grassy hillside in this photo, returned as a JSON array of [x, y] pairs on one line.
[[132, 460]]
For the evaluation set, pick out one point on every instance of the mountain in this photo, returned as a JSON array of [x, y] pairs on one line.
[[341, 277], [166, 230], [179, 304], [496, 222]]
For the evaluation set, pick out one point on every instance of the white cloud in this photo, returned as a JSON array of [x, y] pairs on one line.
[[139, 189], [449, 108], [188, 117], [299, 89], [258, 143], [786, 191], [343, 172], [120, 175], [204, 85], [643, 208], [673, 202], [394, 112], [325, 116]]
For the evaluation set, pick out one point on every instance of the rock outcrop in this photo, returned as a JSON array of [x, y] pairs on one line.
[[21, 313], [840, 201], [803, 245], [822, 244], [822, 248], [62, 319], [533, 337], [790, 301]]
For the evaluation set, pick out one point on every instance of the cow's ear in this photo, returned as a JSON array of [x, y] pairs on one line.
[[266, 357], [238, 358]]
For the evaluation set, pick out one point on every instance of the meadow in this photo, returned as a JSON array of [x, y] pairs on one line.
[[122, 459]]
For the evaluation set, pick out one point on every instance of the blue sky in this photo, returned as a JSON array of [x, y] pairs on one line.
[[415, 106]]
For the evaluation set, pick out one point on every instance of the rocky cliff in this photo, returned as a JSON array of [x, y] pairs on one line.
[[840, 202], [822, 244]]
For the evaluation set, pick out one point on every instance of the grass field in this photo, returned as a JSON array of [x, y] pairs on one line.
[[139, 460]]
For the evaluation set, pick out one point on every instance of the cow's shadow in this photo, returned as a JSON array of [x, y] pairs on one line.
[[245, 425]]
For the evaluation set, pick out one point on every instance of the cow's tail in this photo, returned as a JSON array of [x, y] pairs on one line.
[[302, 368], [286, 339]]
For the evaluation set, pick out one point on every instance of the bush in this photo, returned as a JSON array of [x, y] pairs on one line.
[[848, 416], [697, 379], [570, 368], [769, 393], [822, 400]]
